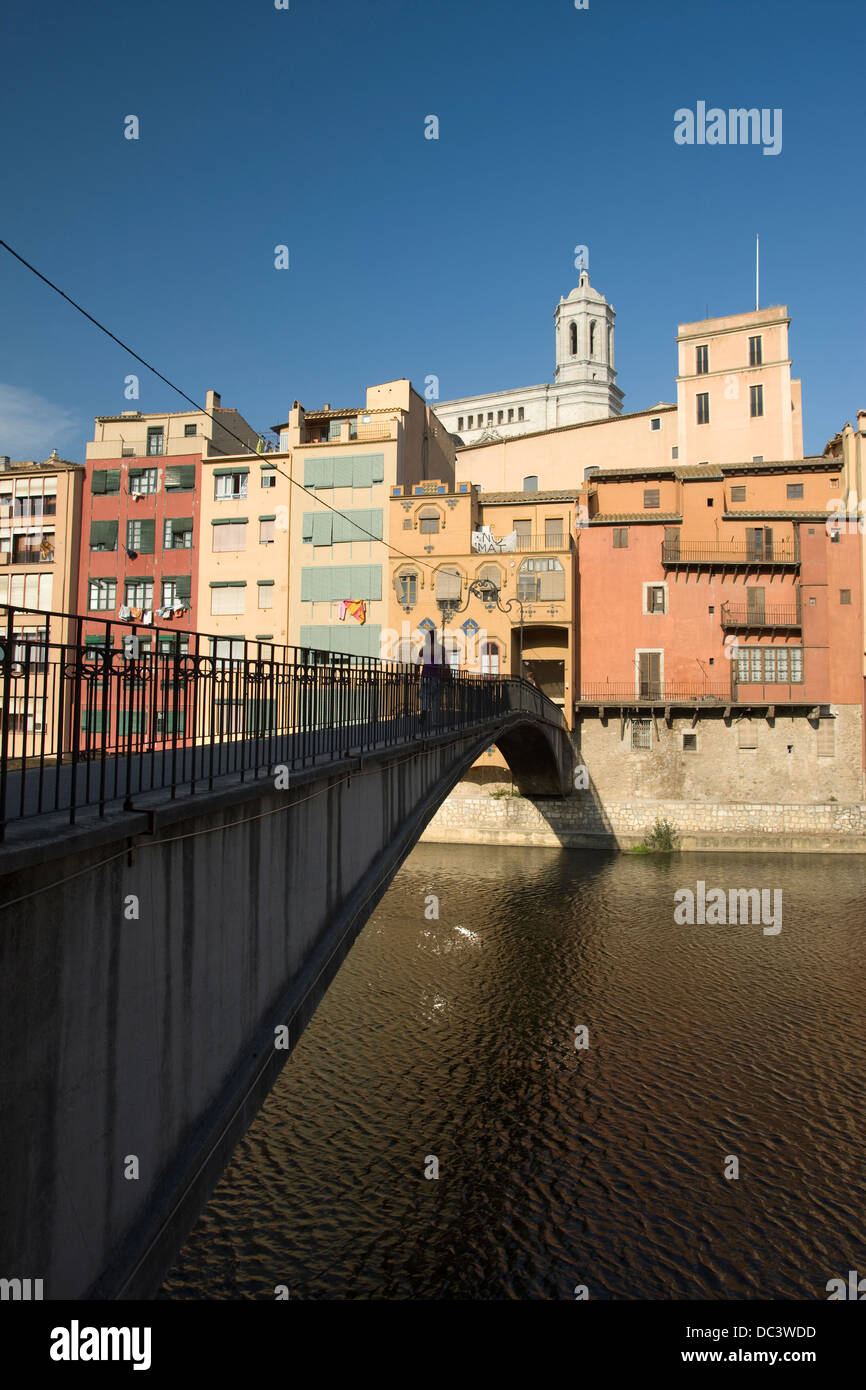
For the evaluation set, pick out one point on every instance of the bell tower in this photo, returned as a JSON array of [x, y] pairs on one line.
[[585, 355]]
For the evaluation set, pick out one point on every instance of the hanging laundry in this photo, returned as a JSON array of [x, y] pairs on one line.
[[135, 614], [124, 613], [341, 611], [178, 612], [147, 616]]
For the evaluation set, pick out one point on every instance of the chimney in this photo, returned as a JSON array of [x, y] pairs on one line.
[[327, 405], [5, 461], [861, 421], [213, 401]]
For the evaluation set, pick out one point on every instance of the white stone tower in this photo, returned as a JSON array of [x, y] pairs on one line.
[[585, 356]]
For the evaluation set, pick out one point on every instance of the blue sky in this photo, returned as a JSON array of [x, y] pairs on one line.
[[412, 257]]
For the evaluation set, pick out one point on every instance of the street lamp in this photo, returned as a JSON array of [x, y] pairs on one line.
[[489, 593]]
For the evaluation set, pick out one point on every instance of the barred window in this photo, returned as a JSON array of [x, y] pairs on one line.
[[641, 734]]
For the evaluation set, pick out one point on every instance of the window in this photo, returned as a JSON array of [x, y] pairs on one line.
[[227, 598], [690, 743], [490, 417], [675, 453], [491, 574], [449, 583], [490, 659], [655, 598], [592, 339], [499, 416], [266, 593], [141, 536], [702, 363], [620, 538], [230, 485], [572, 338], [553, 532], [834, 482], [703, 403], [103, 535], [590, 469], [189, 431], [641, 734], [144, 479], [177, 533], [756, 353], [266, 530], [770, 665], [105, 481], [826, 738], [756, 401], [845, 596], [232, 535], [138, 593], [541, 581], [102, 594], [651, 497], [747, 736], [180, 478], [520, 412], [155, 439], [510, 416], [459, 422], [795, 490], [469, 422], [649, 675], [757, 458], [523, 531], [428, 520], [738, 492], [655, 423], [176, 590], [269, 480], [711, 501], [530, 482], [407, 589]]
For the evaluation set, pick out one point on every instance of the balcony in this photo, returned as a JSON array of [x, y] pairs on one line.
[[659, 693], [781, 554], [551, 540], [778, 619], [33, 557]]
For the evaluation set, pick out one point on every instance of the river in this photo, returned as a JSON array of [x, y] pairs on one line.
[[604, 1166]]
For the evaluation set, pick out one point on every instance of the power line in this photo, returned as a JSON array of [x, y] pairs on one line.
[[225, 428]]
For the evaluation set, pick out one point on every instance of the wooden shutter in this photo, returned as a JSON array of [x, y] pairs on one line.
[[756, 610], [650, 675]]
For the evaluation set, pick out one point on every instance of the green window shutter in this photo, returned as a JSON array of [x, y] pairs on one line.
[[326, 473], [148, 537], [378, 467], [312, 472], [97, 481], [271, 466], [182, 583], [307, 525], [230, 521], [103, 534], [179, 524], [343, 472], [92, 719], [226, 472], [112, 480], [180, 477], [267, 516], [316, 636], [265, 582], [315, 584], [362, 473], [228, 584], [322, 528]]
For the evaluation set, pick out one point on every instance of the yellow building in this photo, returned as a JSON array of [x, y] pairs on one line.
[[520, 543]]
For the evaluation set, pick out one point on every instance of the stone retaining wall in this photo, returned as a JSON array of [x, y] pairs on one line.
[[580, 822]]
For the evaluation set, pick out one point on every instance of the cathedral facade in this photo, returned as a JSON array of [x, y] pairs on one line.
[[584, 381]]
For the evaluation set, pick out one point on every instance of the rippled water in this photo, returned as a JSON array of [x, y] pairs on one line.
[[603, 1167]]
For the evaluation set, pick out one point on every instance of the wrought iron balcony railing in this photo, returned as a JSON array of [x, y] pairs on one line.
[[658, 692], [771, 616], [775, 553]]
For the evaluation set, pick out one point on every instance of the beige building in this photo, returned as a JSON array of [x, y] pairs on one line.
[[40, 510], [214, 431], [736, 403]]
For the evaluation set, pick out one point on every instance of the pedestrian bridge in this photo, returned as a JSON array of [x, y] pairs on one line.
[[191, 845]]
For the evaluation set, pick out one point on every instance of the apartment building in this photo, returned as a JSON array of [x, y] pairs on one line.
[[40, 507], [141, 515], [719, 654]]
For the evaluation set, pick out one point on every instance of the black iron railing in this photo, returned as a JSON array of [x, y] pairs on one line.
[[96, 712], [658, 692], [770, 553], [742, 615]]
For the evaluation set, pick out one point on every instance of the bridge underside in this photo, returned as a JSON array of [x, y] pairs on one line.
[[141, 1001]]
